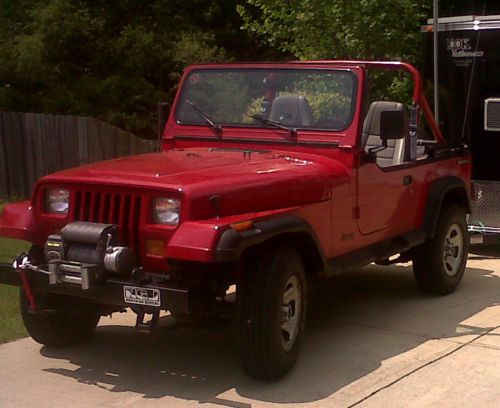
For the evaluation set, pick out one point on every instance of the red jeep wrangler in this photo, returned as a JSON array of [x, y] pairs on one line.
[[271, 177]]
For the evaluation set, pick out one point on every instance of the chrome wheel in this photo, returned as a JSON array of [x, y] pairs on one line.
[[453, 250], [291, 309]]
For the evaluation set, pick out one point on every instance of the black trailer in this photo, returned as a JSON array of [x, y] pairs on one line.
[[469, 104]]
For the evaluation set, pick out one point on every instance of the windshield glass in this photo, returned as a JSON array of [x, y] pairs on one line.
[[299, 98]]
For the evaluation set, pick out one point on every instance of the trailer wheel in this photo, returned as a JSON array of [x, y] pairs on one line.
[[271, 308], [439, 264], [56, 324]]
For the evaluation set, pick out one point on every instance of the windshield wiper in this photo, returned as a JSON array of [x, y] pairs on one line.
[[208, 119], [292, 131]]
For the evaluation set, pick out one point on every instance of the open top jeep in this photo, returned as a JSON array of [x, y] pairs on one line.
[[271, 177]]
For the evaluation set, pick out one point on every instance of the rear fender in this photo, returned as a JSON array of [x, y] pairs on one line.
[[444, 189]]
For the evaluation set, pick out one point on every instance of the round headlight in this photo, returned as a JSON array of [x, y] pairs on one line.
[[166, 211], [57, 201]]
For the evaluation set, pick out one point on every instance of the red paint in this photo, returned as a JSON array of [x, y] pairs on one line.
[[16, 221], [27, 290], [347, 203]]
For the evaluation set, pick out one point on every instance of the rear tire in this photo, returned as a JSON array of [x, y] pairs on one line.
[[439, 264], [60, 322], [271, 309]]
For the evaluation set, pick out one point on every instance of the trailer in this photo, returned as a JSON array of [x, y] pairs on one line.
[[469, 105]]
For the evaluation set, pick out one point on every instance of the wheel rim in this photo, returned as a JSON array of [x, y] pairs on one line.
[[453, 250], [291, 309]]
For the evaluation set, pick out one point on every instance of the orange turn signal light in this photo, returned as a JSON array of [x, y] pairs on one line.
[[242, 226], [155, 247]]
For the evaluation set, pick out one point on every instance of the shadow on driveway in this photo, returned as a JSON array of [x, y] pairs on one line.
[[356, 323]]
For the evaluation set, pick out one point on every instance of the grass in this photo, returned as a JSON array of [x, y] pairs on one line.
[[11, 325]]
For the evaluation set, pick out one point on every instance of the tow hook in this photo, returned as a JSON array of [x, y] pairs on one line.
[[20, 264]]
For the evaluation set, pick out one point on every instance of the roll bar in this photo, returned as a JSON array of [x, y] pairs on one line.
[[418, 95]]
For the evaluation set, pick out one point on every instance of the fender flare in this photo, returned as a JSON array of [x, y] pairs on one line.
[[437, 193], [232, 243]]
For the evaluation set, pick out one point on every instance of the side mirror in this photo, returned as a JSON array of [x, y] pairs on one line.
[[393, 125]]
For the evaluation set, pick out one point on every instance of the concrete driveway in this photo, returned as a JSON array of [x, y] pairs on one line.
[[373, 340]]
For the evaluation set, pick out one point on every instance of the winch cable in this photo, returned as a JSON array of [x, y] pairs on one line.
[[466, 113]]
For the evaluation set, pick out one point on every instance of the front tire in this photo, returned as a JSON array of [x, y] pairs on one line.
[[59, 322], [271, 304], [439, 264]]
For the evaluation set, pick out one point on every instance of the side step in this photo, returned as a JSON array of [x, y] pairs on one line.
[[379, 252]]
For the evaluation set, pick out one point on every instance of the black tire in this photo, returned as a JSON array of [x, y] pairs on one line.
[[437, 272], [266, 349], [60, 322]]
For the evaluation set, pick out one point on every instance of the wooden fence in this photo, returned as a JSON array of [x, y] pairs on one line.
[[33, 145]]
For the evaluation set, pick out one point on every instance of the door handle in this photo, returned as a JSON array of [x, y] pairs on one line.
[[407, 180]]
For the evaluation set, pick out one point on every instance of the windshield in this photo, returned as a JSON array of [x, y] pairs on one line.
[[299, 98]]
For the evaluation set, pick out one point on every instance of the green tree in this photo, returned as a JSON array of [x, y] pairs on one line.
[[111, 59], [344, 29], [339, 29]]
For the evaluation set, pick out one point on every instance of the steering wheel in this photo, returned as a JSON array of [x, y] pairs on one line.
[[330, 123]]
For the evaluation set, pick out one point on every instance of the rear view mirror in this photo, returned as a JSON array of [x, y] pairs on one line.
[[393, 125]]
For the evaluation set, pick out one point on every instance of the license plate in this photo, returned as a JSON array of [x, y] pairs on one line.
[[141, 296]]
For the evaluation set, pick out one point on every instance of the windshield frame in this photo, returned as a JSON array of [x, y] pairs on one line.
[[236, 68]]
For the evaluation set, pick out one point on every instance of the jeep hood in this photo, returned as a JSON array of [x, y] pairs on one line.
[[237, 174]]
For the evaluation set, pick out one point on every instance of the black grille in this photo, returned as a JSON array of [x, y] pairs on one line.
[[111, 208]]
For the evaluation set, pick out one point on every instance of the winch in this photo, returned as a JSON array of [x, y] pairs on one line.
[[86, 252]]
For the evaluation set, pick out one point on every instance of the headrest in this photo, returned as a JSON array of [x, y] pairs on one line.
[[371, 125], [292, 110]]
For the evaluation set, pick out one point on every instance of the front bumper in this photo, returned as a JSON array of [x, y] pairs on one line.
[[112, 291]]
